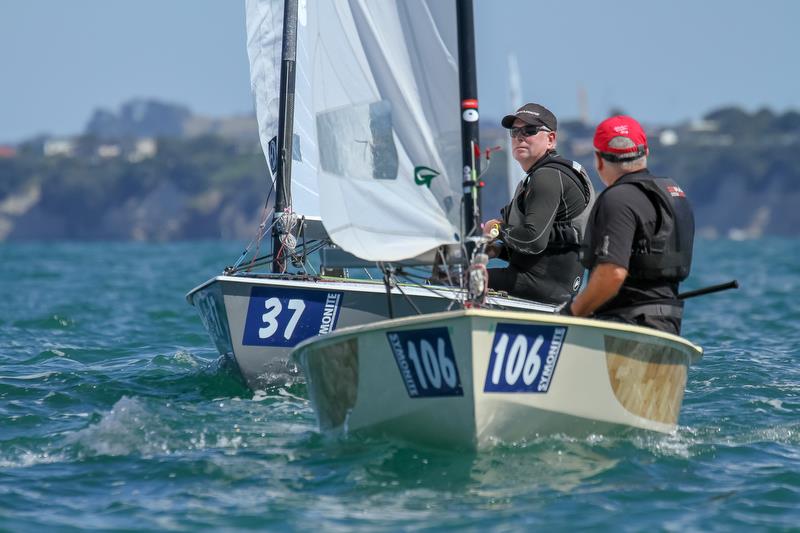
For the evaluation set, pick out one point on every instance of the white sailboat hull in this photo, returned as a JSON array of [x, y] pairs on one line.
[[255, 321], [472, 378]]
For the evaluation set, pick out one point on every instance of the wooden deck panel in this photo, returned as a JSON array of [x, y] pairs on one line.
[[648, 379]]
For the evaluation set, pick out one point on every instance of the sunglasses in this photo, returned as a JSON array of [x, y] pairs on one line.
[[526, 131]]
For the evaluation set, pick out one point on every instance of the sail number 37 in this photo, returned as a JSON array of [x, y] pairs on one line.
[[286, 316], [273, 308]]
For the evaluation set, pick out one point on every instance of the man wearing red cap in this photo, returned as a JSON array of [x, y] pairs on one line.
[[638, 243], [541, 229]]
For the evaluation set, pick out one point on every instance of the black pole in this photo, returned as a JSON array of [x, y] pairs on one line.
[[388, 271], [283, 189], [733, 284], [468, 86]]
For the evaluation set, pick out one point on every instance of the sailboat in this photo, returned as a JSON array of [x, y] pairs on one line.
[[477, 376], [348, 97]]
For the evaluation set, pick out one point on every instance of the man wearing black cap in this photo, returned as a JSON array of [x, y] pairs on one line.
[[540, 230], [638, 245]]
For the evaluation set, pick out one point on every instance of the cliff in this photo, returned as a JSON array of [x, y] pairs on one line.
[[155, 172]]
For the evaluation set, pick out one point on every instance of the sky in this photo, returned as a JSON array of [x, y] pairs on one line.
[[661, 61]]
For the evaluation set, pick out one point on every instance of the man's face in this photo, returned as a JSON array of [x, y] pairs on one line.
[[527, 149]]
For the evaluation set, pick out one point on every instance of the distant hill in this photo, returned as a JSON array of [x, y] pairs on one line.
[[154, 171], [151, 118], [139, 118], [740, 170]]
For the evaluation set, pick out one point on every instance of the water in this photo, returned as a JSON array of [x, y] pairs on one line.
[[115, 413]]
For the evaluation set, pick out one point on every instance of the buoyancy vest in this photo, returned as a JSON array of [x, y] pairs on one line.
[[667, 254], [565, 234]]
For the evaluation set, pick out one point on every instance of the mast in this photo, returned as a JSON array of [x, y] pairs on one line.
[[515, 101], [283, 186], [468, 85]]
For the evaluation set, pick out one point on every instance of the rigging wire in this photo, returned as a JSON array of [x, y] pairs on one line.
[[457, 293], [261, 232], [408, 299]]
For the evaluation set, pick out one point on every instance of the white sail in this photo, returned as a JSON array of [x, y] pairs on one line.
[[376, 122], [264, 46], [385, 97]]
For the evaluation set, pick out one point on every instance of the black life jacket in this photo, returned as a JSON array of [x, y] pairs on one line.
[[667, 254], [565, 234]]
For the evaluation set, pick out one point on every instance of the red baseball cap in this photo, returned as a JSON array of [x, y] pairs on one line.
[[620, 138]]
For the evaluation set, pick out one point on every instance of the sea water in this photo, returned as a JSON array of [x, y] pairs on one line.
[[117, 414]]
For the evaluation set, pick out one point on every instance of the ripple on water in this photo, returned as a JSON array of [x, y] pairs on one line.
[[53, 321], [117, 411]]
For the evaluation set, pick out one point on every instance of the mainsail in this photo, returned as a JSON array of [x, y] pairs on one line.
[[377, 131]]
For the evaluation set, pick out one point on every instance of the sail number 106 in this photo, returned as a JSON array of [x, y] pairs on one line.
[[519, 361], [426, 362], [432, 365], [523, 357]]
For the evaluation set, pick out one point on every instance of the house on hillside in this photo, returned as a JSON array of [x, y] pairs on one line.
[[59, 147], [144, 148]]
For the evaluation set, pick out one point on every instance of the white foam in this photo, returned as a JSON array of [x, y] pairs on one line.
[[30, 458], [127, 428], [778, 404], [182, 356]]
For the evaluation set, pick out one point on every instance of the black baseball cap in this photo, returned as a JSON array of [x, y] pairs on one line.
[[533, 114]]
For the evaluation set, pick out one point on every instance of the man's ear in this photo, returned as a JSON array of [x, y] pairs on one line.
[[598, 162], [551, 139]]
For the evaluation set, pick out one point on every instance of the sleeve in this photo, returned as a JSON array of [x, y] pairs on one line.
[[542, 198], [614, 227]]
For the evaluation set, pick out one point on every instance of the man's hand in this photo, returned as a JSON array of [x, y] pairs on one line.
[[604, 283], [493, 250], [491, 228]]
